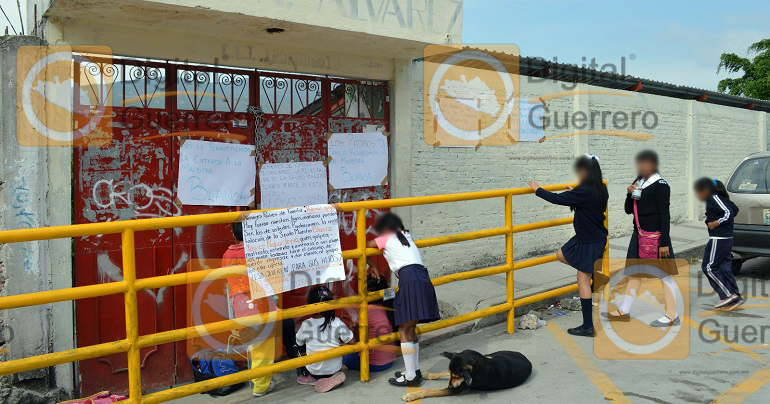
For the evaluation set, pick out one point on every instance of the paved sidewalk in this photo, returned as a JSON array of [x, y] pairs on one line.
[[689, 240], [729, 368]]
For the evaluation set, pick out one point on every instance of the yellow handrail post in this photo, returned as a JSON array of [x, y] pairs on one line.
[[363, 314], [509, 261], [132, 318], [130, 286]]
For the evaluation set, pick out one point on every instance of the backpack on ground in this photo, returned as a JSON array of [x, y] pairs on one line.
[[209, 363]]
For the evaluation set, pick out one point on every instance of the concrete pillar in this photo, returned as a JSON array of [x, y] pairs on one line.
[[406, 128], [694, 165], [35, 192], [580, 103]]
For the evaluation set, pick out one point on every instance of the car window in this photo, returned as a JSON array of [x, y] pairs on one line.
[[751, 177]]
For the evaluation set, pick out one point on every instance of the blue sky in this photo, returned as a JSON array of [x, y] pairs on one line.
[[673, 41]]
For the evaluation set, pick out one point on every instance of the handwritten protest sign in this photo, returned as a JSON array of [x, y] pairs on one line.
[[292, 248], [215, 173], [358, 159], [293, 184]]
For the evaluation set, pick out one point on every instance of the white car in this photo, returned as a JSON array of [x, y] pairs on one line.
[[749, 188]]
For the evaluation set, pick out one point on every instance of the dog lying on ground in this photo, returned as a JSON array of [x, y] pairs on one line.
[[470, 370]]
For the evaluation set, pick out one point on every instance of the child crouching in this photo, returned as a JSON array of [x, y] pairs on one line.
[[318, 333]]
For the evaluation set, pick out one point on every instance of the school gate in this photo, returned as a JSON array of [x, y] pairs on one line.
[[154, 103]]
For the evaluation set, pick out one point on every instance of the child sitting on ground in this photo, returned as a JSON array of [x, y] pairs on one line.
[[321, 332], [381, 357]]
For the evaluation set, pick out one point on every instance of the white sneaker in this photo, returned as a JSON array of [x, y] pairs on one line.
[[726, 302], [270, 388]]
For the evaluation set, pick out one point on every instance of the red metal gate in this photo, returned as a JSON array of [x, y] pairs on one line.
[[154, 104]]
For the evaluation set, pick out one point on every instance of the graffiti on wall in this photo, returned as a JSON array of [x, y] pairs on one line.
[[143, 200]]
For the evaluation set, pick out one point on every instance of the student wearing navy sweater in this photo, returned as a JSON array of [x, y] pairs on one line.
[[648, 201], [589, 201], [717, 259]]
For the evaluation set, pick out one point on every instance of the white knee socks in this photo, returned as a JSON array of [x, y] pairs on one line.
[[409, 352], [628, 300], [669, 281], [416, 358]]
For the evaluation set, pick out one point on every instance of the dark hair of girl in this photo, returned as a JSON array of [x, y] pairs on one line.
[[238, 230], [391, 222], [594, 177], [713, 186], [649, 156], [322, 294], [374, 285]]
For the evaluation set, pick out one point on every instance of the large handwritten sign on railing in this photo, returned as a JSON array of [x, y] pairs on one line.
[[292, 248]]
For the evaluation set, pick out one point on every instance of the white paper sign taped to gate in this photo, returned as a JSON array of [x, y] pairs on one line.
[[292, 248], [293, 184], [216, 173], [358, 159]]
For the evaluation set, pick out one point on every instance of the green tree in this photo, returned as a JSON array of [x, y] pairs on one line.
[[755, 82]]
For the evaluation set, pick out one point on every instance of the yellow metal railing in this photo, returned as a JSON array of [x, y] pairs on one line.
[[129, 286]]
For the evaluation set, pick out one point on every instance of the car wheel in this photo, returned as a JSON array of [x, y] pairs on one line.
[[737, 264]]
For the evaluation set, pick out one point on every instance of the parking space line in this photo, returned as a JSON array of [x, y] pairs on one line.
[[413, 389], [745, 388], [597, 377], [716, 335]]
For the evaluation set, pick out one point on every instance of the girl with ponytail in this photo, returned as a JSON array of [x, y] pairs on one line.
[[589, 201], [320, 332], [718, 258], [416, 298]]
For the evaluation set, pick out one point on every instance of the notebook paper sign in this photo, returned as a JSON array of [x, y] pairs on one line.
[[292, 248], [293, 184], [216, 174], [358, 159]]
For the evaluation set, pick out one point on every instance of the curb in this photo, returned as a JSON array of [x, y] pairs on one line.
[[693, 252], [696, 251]]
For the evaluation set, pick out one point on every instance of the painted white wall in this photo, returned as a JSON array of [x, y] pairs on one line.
[[692, 138]]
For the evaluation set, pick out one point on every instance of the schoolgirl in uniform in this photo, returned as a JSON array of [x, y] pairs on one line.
[[416, 298], [588, 201], [717, 259], [648, 200]]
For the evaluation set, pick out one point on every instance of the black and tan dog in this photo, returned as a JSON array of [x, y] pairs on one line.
[[470, 370]]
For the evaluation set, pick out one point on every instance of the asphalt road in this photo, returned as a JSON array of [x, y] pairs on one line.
[[724, 359]]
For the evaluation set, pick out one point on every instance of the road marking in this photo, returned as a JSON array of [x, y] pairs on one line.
[[411, 390], [745, 388], [718, 336], [598, 378]]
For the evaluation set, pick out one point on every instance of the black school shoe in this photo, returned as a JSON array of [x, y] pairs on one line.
[[400, 380], [582, 332], [418, 373]]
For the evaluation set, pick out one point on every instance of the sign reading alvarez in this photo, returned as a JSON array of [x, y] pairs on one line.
[[292, 248]]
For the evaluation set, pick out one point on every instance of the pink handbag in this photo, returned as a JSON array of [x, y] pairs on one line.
[[103, 397], [649, 242]]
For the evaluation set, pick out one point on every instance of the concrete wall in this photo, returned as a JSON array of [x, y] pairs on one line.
[[692, 138], [34, 192]]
